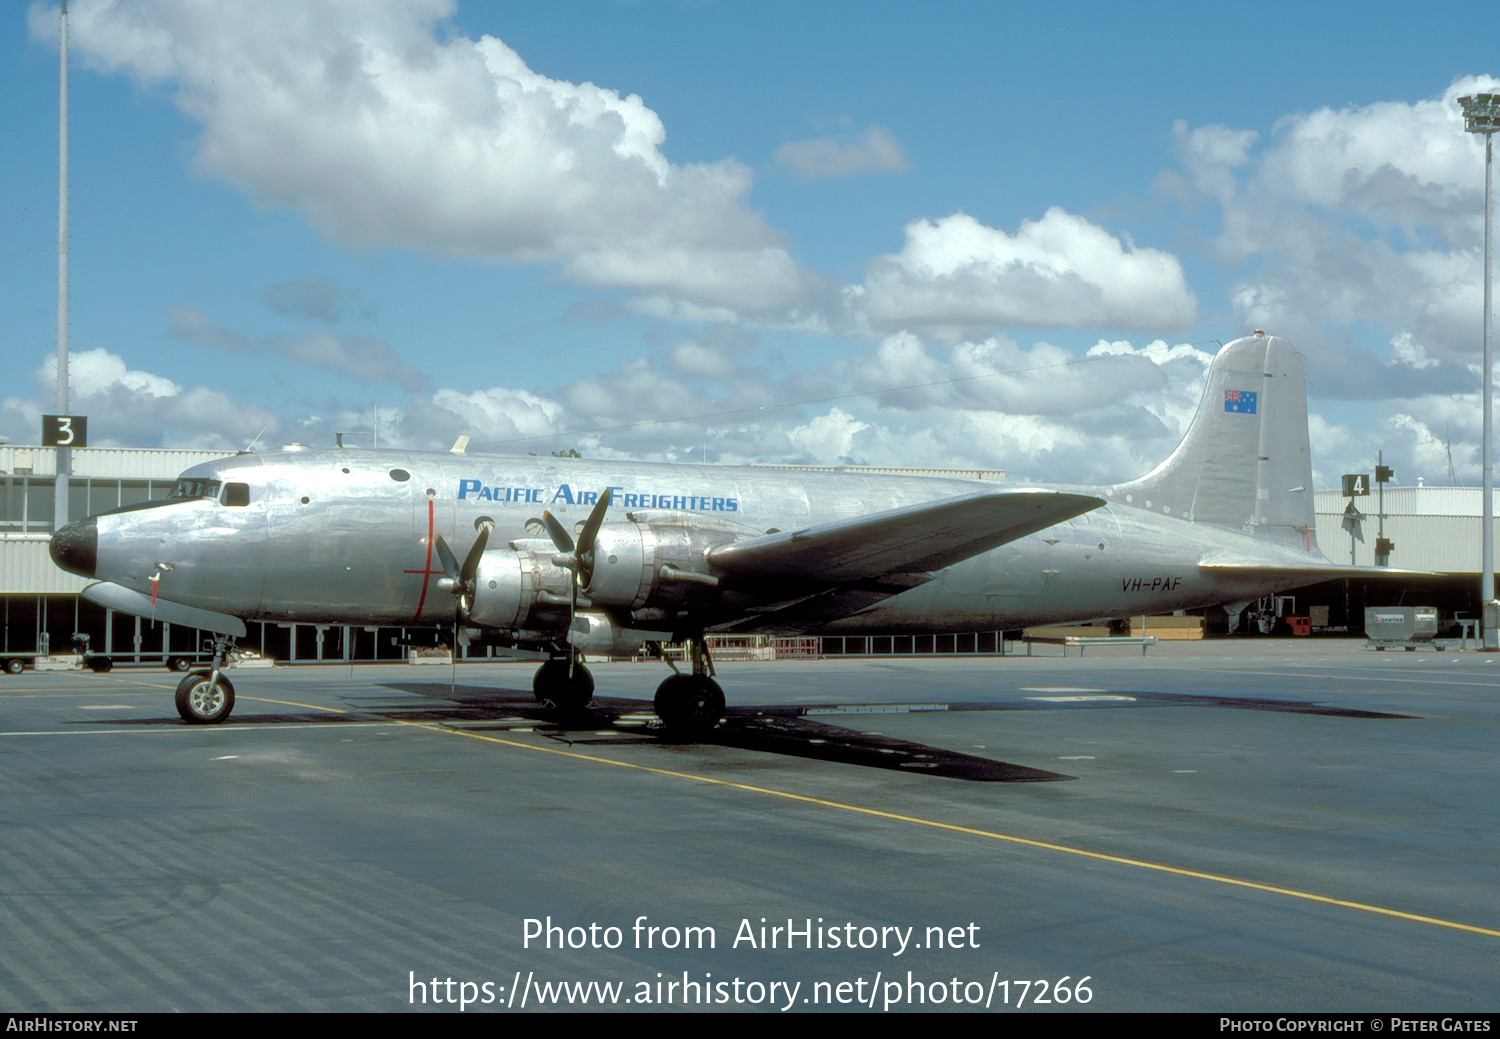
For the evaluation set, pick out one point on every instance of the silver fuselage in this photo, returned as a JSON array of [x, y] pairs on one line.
[[334, 537]]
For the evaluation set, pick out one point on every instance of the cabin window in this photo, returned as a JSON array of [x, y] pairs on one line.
[[237, 494], [400, 475]]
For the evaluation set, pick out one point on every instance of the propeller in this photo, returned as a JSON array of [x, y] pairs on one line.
[[460, 579], [582, 555]]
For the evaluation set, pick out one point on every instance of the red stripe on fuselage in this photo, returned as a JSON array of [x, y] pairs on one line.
[[426, 570]]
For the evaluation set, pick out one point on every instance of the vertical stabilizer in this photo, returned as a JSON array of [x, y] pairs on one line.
[[1245, 462]]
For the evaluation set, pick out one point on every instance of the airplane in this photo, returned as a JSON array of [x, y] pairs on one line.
[[485, 545]]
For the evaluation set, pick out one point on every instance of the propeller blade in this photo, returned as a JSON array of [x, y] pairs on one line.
[[445, 555], [595, 521], [557, 532], [471, 561], [587, 535]]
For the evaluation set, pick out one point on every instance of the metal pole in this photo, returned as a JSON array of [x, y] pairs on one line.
[[1482, 115], [1351, 539], [60, 492], [1380, 468], [1487, 574]]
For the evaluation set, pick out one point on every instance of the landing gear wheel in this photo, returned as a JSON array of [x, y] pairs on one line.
[[14, 667], [203, 702], [179, 664], [689, 705], [551, 686]]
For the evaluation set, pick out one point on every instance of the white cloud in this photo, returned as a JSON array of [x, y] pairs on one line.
[[1211, 153], [1040, 413], [1359, 217], [96, 373], [874, 151], [955, 276], [495, 414], [1417, 437], [1397, 164], [692, 357], [1407, 351], [384, 126], [132, 408], [830, 436]]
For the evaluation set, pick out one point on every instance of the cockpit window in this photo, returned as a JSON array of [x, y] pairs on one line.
[[185, 488], [237, 494]]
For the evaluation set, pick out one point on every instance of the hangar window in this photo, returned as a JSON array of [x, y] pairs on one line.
[[237, 494], [400, 475]]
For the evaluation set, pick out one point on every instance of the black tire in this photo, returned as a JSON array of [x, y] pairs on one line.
[[552, 688], [201, 705], [689, 705], [179, 664], [100, 665], [14, 666]]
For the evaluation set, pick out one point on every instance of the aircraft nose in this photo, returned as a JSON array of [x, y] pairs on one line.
[[75, 548]]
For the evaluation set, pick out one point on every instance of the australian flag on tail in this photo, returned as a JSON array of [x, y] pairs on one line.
[[1240, 401]]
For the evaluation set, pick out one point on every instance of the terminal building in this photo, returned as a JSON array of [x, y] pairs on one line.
[[1433, 529]]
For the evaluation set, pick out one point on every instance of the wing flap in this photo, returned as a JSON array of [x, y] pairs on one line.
[[1314, 571], [914, 539]]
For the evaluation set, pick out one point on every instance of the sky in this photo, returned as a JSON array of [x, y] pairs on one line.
[[998, 236]]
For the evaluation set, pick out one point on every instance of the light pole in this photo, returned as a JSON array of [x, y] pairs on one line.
[[60, 492], [1482, 115]]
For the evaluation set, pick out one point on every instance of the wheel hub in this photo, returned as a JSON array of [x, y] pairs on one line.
[[206, 698]]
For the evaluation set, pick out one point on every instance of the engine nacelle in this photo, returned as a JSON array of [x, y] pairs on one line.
[[511, 583], [655, 564], [594, 634]]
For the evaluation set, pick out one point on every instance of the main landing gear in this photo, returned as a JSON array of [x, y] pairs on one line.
[[555, 687], [207, 697], [690, 705]]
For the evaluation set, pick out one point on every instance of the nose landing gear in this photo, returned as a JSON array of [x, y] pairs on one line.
[[207, 697]]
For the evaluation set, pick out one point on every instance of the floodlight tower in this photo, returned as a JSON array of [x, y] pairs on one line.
[[1482, 115], [60, 494]]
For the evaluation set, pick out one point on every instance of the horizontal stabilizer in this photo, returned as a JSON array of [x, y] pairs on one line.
[[126, 600], [915, 539]]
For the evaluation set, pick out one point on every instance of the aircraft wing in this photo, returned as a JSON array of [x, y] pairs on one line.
[[914, 539]]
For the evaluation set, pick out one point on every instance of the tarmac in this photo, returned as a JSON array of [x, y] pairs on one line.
[[1235, 825]]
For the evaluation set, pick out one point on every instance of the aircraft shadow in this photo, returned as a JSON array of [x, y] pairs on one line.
[[771, 729], [800, 730]]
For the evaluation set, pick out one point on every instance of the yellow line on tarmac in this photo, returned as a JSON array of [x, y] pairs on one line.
[[294, 703], [91, 691], [953, 827]]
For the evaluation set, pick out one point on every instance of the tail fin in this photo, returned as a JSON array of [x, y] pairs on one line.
[[1245, 461]]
